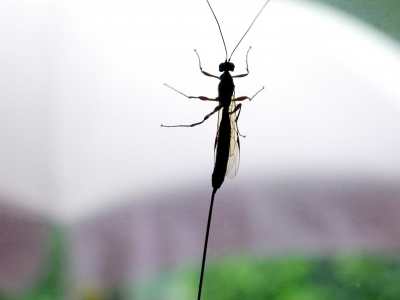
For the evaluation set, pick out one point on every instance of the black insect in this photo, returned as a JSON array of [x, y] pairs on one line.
[[227, 146]]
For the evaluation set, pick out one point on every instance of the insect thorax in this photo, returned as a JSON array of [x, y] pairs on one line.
[[226, 89]]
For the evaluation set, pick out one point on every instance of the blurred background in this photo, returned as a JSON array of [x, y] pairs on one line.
[[99, 202]]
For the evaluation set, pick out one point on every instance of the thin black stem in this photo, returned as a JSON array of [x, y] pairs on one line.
[[205, 244]]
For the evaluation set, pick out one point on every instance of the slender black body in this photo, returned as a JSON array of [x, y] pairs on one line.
[[227, 140], [226, 90]]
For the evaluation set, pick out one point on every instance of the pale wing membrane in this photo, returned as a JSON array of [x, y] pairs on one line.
[[234, 147], [217, 136]]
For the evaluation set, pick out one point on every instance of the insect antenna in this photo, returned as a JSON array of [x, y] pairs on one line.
[[247, 29], [220, 31]]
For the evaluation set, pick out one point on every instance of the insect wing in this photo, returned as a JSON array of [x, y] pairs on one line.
[[234, 147]]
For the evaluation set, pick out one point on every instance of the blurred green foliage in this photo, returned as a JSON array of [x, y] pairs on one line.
[[343, 277], [382, 14], [50, 286]]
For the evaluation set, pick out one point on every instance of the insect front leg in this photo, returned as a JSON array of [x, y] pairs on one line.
[[198, 123], [247, 67], [201, 69]]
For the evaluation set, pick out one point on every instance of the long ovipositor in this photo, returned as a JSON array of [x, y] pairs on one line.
[[226, 146]]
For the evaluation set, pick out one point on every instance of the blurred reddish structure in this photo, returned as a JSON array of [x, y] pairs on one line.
[[293, 216]]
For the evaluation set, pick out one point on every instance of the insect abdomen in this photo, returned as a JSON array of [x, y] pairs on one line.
[[222, 152]]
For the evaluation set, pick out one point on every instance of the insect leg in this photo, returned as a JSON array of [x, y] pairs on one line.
[[247, 67], [256, 94], [245, 97], [198, 123], [192, 97], [239, 109], [201, 69]]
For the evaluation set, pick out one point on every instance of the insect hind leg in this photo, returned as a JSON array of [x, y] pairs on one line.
[[198, 123], [239, 109]]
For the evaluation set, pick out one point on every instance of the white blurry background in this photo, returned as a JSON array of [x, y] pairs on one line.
[[82, 97], [82, 100]]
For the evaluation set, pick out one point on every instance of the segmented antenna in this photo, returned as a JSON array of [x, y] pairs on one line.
[[220, 31], [247, 29]]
